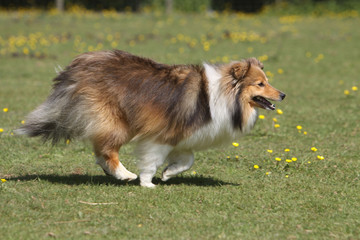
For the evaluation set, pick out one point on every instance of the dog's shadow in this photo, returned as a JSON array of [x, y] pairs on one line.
[[75, 179]]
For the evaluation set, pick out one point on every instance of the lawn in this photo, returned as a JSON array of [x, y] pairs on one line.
[[255, 190]]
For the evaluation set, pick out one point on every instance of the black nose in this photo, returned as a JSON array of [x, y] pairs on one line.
[[282, 96]]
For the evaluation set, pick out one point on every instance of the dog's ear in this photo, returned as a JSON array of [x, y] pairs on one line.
[[239, 70], [256, 62]]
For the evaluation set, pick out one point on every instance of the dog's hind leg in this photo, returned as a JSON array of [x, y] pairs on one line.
[[178, 163], [112, 166], [107, 156]]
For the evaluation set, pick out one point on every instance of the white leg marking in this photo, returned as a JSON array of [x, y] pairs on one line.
[[123, 174], [151, 156], [178, 163], [120, 172]]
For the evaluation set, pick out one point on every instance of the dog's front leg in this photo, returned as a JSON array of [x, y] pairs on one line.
[[151, 155], [178, 163]]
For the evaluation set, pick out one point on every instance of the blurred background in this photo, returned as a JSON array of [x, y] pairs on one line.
[[182, 5]]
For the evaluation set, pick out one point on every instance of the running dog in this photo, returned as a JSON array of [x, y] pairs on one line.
[[113, 97]]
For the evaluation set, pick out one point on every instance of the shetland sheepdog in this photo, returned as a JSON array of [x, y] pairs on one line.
[[113, 97]]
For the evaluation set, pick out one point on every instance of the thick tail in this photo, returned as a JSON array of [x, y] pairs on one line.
[[45, 121], [59, 117]]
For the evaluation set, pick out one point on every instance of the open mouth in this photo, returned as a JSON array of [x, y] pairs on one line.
[[262, 102]]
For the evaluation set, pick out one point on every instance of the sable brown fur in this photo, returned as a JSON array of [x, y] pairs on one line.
[[129, 96], [167, 102]]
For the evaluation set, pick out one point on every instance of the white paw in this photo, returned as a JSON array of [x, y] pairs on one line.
[[125, 175], [169, 173], [166, 177], [147, 184], [129, 177]]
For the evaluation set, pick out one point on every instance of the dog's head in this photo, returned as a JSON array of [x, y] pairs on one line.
[[254, 85]]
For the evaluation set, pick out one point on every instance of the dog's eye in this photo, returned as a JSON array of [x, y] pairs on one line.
[[261, 84]]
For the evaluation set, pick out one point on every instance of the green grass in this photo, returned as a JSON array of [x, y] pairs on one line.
[[48, 188]]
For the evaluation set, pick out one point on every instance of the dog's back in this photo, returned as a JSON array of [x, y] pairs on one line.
[[102, 91]]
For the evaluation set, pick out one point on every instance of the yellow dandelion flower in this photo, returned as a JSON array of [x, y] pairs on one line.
[[193, 173], [346, 92], [314, 149], [5, 109], [287, 176], [256, 166], [26, 51], [305, 133], [269, 151], [279, 111], [275, 119], [263, 58], [68, 141], [132, 43], [225, 59], [298, 127], [267, 173], [23, 122], [309, 162], [109, 37], [288, 160], [99, 46], [227, 157], [193, 43], [354, 88], [235, 144], [180, 36], [173, 40], [277, 125], [320, 157], [287, 150], [1, 130], [206, 46], [237, 157], [269, 74], [114, 44], [280, 71], [261, 117], [141, 37], [294, 159], [3, 180], [278, 159]]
